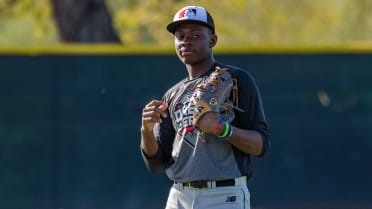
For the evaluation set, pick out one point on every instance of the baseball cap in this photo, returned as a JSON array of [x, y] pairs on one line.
[[194, 14]]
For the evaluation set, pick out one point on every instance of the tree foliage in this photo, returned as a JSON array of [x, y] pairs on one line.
[[238, 22], [26, 22]]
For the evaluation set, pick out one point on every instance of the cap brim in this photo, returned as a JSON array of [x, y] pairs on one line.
[[171, 27]]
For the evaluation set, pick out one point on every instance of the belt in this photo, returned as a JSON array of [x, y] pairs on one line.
[[209, 184]]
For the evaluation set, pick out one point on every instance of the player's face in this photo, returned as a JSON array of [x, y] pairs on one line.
[[194, 43]]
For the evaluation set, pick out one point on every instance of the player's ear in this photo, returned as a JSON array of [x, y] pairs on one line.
[[212, 40]]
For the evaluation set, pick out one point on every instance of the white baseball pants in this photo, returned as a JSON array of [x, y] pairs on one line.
[[226, 197]]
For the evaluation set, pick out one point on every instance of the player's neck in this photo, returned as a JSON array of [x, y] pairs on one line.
[[196, 70]]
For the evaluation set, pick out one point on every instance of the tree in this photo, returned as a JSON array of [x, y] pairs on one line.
[[243, 23], [84, 21]]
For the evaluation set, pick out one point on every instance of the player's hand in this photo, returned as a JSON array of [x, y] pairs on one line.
[[152, 114], [208, 122]]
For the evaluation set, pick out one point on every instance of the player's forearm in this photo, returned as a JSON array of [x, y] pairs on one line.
[[151, 152], [248, 141], [148, 143]]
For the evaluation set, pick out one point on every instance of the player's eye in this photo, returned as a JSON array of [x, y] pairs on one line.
[[179, 36], [183, 36], [195, 35]]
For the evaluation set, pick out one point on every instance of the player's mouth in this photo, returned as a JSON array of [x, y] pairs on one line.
[[186, 52]]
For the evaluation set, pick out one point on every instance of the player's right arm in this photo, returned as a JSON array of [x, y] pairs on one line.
[[152, 114], [154, 151]]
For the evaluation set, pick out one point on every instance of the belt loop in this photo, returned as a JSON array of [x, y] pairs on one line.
[[213, 184], [179, 185], [240, 181]]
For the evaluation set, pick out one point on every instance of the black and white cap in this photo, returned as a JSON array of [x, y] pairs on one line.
[[194, 14]]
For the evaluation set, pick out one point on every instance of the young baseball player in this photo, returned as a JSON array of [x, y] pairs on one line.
[[211, 163]]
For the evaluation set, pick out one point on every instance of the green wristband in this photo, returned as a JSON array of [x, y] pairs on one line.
[[227, 129]]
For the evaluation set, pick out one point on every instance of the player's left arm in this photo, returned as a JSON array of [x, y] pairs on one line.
[[248, 141], [250, 129]]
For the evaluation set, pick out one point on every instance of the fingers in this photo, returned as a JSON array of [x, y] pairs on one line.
[[155, 103], [153, 113], [163, 106], [156, 107]]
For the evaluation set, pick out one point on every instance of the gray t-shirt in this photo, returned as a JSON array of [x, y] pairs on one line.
[[184, 156]]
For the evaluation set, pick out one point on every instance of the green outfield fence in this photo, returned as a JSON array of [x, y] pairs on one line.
[[70, 119]]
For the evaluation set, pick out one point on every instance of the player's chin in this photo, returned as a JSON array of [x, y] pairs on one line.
[[188, 60]]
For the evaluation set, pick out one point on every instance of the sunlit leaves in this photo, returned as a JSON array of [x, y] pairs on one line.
[[32, 18], [239, 22]]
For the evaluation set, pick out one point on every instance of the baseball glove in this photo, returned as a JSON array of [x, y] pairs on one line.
[[212, 95]]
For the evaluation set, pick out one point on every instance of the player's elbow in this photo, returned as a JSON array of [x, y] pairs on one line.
[[265, 146], [155, 168]]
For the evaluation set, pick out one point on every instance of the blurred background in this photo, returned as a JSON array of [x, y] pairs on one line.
[[133, 22], [75, 76]]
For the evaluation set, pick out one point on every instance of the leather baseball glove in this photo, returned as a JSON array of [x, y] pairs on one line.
[[212, 95]]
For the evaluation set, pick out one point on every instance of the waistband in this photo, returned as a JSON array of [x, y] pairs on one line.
[[207, 184]]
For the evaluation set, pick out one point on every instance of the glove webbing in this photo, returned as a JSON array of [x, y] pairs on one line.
[[235, 95], [215, 81], [235, 92]]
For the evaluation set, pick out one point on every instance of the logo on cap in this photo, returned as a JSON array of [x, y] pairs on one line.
[[187, 13]]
